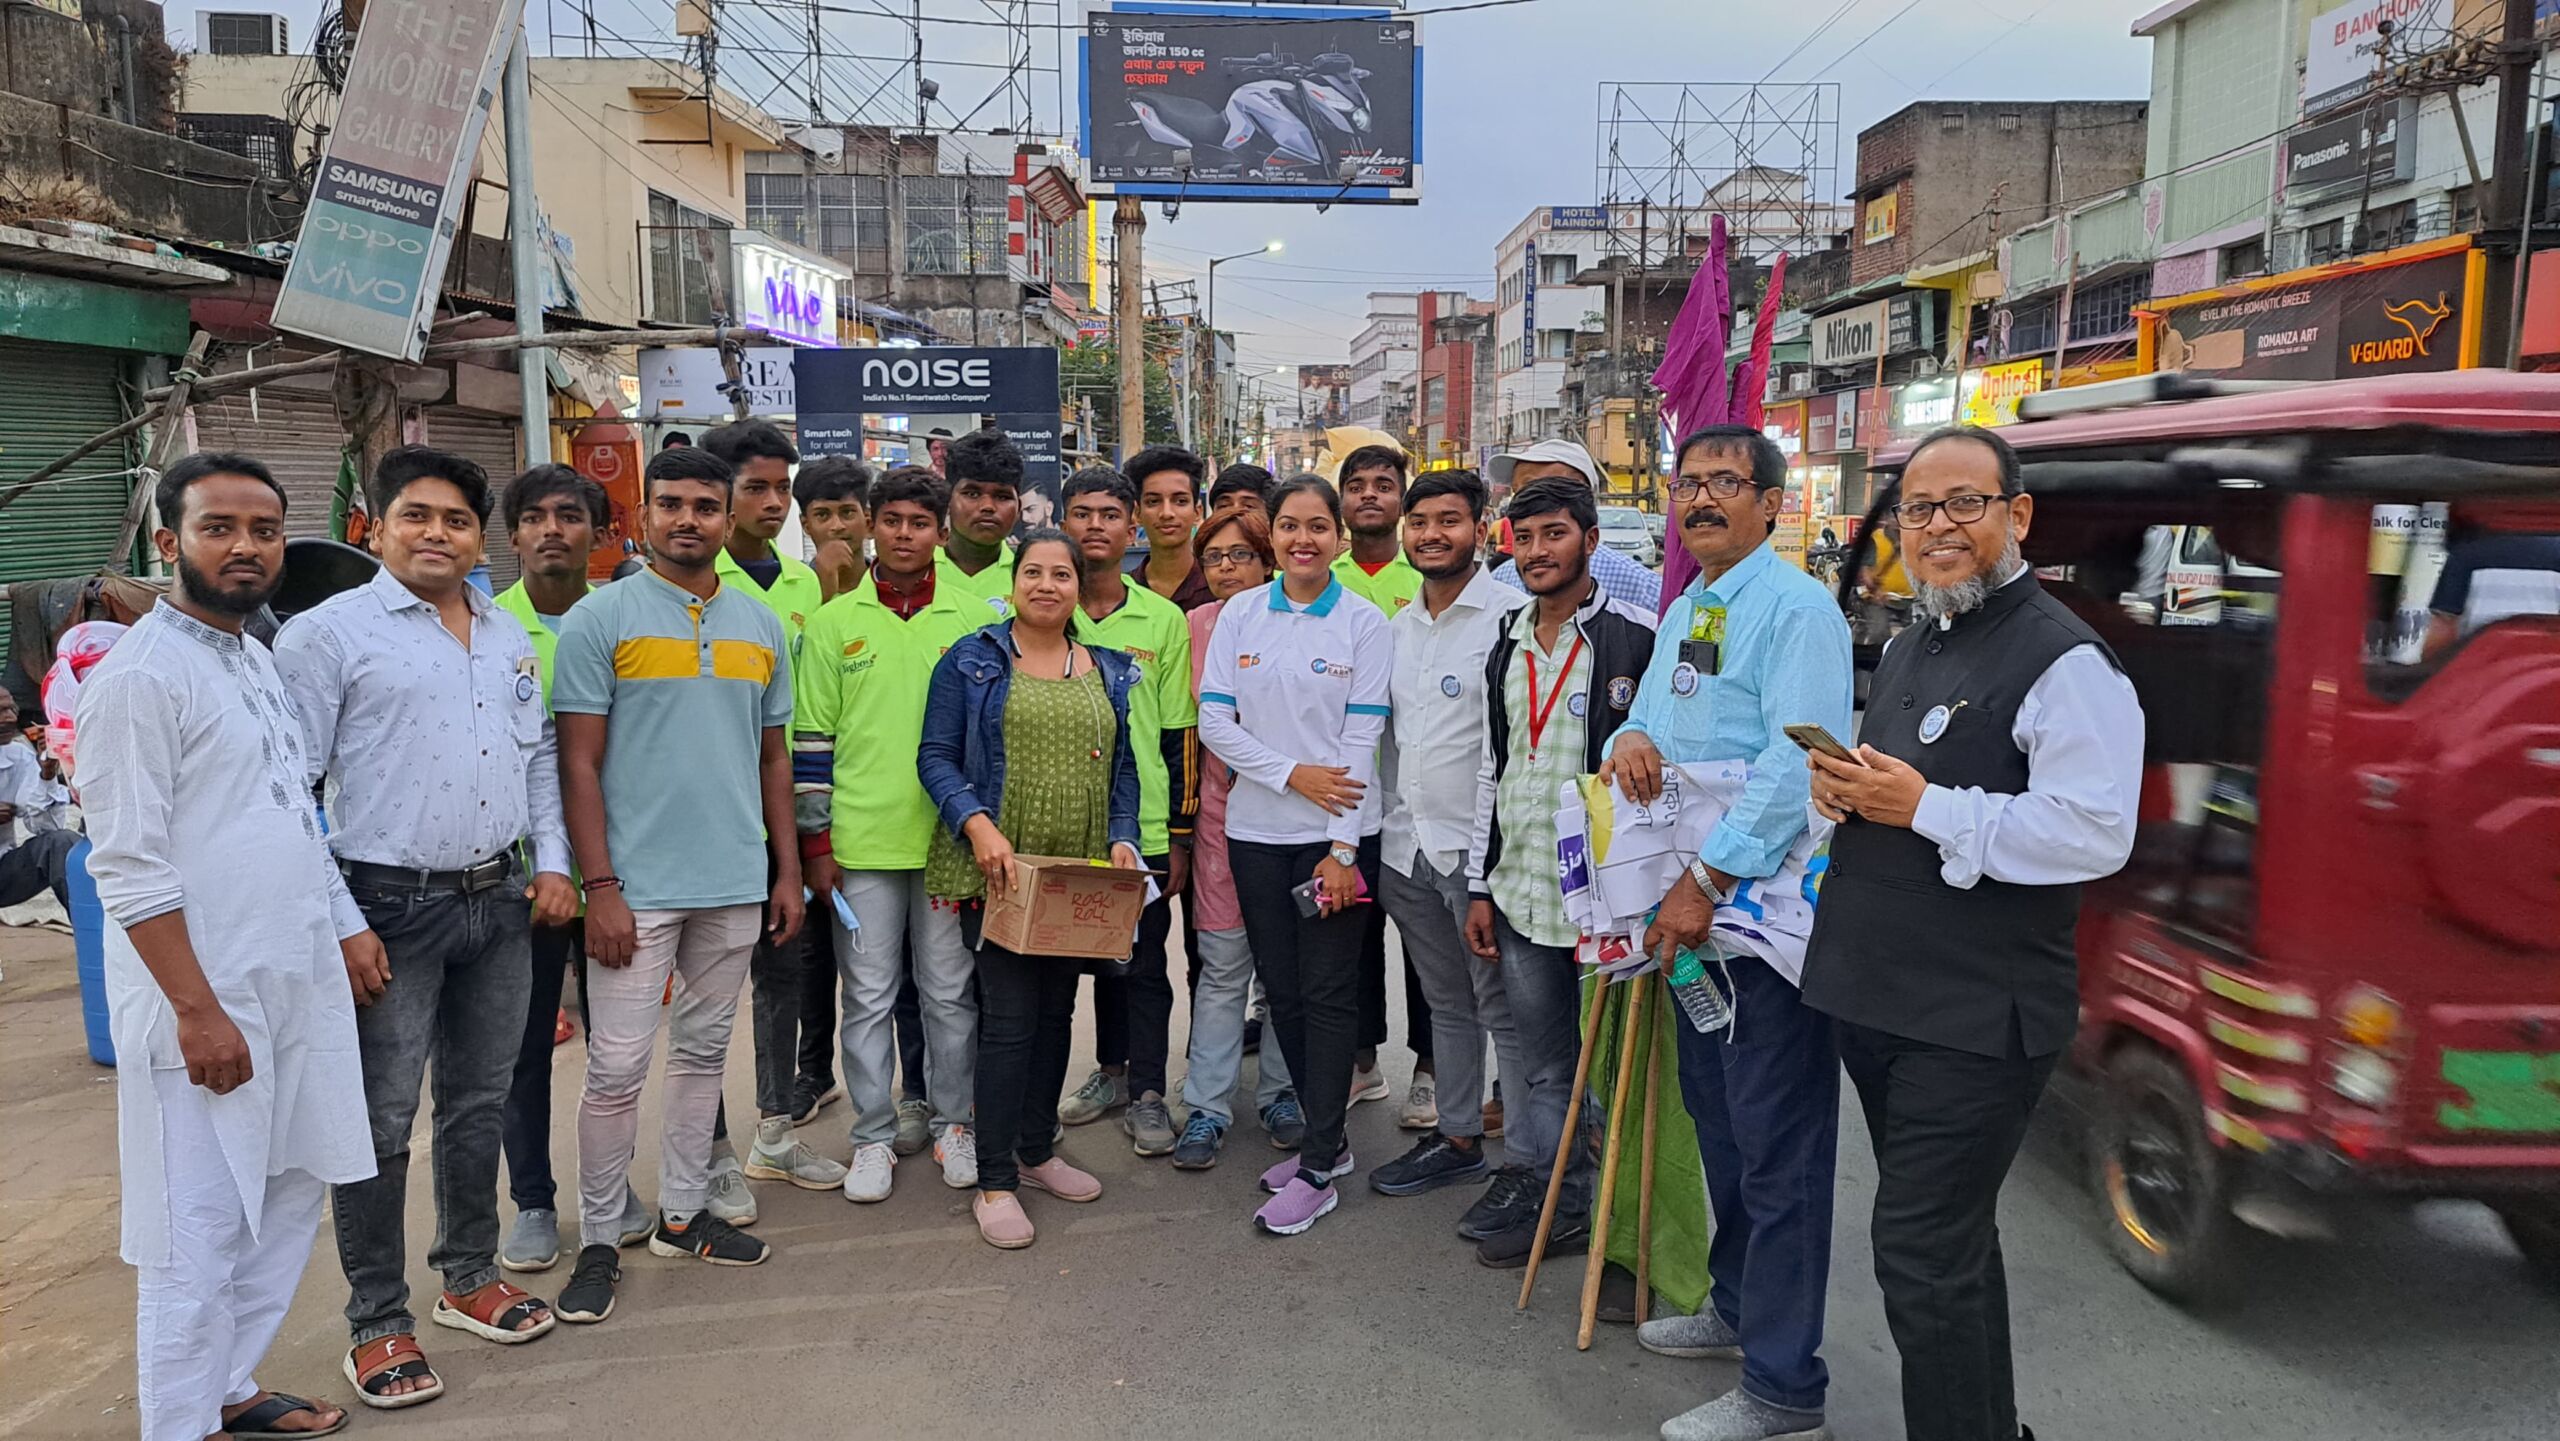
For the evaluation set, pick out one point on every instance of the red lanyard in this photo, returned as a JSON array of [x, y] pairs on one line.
[[1538, 714]]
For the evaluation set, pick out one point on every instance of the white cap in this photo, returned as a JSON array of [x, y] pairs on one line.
[[1545, 452]]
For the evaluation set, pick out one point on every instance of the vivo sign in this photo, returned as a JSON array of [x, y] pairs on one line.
[[791, 296], [928, 379]]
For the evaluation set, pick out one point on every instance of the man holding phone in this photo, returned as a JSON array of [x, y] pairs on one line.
[[1750, 647]]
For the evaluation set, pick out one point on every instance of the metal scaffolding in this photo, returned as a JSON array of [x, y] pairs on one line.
[[1765, 156]]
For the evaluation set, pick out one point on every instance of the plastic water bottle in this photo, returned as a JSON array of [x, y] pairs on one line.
[[1701, 1000]]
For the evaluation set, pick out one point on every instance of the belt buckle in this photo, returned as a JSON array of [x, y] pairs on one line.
[[485, 875]]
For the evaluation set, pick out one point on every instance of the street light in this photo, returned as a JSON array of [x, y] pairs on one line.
[[1209, 316]]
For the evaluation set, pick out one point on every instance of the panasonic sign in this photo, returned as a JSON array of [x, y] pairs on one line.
[[927, 379]]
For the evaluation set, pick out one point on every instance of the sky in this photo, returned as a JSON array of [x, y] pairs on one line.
[[1511, 100]]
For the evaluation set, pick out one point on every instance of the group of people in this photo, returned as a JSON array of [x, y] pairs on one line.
[[1311, 710]]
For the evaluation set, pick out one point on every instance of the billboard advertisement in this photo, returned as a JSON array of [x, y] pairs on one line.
[[370, 259], [2395, 319], [2338, 153], [1321, 104]]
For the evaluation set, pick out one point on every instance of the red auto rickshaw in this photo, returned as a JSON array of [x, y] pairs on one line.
[[2332, 967]]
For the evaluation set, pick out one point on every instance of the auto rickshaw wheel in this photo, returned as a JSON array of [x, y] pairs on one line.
[[2534, 1225], [2159, 1182]]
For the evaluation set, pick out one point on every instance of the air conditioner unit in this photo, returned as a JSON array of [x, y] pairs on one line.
[[1799, 382], [241, 32]]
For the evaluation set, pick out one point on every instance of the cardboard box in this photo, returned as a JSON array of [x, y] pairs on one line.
[[1082, 910]]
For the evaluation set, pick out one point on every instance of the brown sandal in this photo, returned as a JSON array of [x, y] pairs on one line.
[[493, 1312], [387, 1359]]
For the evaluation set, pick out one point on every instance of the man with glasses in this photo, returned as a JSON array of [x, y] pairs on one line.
[[1751, 646], [2001, 769]]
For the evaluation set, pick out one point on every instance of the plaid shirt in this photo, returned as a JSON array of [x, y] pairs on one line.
[[1525, 885]]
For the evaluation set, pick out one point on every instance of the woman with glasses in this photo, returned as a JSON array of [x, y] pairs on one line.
[[1234, 551], [1293, 699], [1026, 750]]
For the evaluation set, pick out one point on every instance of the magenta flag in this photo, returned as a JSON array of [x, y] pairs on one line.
[[1693, 386], [1751, 383]]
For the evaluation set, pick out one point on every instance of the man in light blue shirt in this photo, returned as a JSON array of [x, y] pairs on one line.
[[1752, 646]]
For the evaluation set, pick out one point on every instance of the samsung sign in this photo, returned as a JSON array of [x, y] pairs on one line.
[[928, 379]]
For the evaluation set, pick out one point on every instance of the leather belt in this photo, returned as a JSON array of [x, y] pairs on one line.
[[479, 876]]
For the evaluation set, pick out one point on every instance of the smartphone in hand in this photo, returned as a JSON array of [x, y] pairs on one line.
[[1815, 739]]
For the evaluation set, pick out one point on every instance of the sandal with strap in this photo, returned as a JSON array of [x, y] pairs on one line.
[[384, 1360], [493, 1312], [258, 1423]]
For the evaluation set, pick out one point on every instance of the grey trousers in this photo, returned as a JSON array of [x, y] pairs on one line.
[[899, 921], [1466, 994], [1544, 988], [1219, 999], [707, 950]]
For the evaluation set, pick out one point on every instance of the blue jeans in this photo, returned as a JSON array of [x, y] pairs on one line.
[[1221, 993], [461, 985], [1765, 1098]]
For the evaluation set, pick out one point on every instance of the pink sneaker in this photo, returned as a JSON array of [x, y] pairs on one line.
[[1061, 1180], [1296, 1207], [1276, 1179], [1001, 1223]]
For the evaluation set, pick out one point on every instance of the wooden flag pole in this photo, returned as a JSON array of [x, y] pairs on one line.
[[1564, 1143], [1632, 1016]]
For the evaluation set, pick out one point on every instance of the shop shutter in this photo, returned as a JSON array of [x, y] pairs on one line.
[[291, 429], [53, 397], [490, 440]]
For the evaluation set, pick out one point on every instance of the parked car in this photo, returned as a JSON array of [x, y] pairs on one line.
[[1624, 528]]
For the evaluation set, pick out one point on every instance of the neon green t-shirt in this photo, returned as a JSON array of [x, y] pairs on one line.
[[993, 585], [793, 599], [1151, 630], [516, 601], [1390, 590], [863, 675]]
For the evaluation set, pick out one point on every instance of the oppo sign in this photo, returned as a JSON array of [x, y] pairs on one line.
[[927, 379]]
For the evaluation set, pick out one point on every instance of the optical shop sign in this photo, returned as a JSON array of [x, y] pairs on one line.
[[367, 266]]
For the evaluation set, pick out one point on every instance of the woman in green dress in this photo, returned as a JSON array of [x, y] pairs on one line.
[[1026, 748]]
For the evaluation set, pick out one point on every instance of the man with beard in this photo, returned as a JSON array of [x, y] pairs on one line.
[[1373, 568], [1557, 686], [1435, 750], [233, 959], [982, 475], [1749, 647], [2000, 770], [673, 693], [421, 705], [1617, 573]]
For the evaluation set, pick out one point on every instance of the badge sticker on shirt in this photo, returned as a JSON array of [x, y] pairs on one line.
[[1934, 724], [525, 689], [1577, 703], [1449, 686], [1684, 679]]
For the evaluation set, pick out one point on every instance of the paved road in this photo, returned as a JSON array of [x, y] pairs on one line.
[[1158, 1313]]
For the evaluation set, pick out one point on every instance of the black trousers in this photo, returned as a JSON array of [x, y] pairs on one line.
[[1133, 1013], [1311, 967], [906, 1020], [1373, 976], [1026, 1021], [817, 1060], [1945, 1125], [527, 1123]]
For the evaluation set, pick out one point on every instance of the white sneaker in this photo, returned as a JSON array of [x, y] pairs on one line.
[[957, 1149], [1421, 1104], [868, 1180], [1367, 1085], [779, 1156], [729, 1199]]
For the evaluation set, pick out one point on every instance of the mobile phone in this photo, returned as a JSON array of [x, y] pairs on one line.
[[1310, 897], [1815, 738]]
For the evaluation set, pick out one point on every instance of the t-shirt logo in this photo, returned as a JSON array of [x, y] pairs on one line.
[[854, 647], [1622, 693], [1247, 662], [1340, 669]]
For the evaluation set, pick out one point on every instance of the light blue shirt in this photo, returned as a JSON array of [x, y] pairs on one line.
[[1784, 661], [1618, 573]]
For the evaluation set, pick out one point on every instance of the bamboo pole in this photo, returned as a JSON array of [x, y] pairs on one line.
[[1651, 1066], [1632, 1016], [164, 448], [1564, 1143]]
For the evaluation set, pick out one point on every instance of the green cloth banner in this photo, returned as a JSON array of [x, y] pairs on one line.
[[1678, 1267]]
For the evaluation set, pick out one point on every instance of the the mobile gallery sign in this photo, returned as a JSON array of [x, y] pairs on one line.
[[371, 257]]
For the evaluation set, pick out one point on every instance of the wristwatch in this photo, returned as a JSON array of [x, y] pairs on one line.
[[1706, 879], [1345, 855]]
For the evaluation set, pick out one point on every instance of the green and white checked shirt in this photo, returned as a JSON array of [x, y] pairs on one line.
[[1525, 886]]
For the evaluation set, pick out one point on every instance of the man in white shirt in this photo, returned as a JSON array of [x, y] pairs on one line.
[[231, 946], [1437, 734], [2001, 768], [27, 799], [421, 702]]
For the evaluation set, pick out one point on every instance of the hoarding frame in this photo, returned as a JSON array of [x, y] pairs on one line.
[[1096, 189]]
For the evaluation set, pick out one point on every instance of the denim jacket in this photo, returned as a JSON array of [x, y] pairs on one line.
[[961, 757]]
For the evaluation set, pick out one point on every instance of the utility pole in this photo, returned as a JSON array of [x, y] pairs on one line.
[[2510, 187], [525, 250], [1129, 322], [2362, 240]]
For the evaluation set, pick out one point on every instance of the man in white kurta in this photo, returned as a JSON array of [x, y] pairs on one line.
[[192, 777]]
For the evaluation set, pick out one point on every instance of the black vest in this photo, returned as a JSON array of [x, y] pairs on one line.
[[1897, 949]]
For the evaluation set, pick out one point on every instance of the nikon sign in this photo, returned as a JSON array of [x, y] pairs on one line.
[[1851, 335], [927, 379]]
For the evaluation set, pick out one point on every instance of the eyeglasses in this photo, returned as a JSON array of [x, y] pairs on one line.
[[1241, 555], [1962, 509], [1722, 484]]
